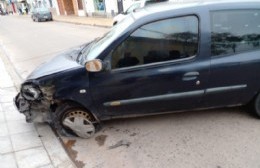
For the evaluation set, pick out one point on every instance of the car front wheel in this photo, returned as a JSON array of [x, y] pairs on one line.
[[257, 105], [71, 119]]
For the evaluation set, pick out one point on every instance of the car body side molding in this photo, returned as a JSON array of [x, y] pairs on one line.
[[173, 96], [225, 89]]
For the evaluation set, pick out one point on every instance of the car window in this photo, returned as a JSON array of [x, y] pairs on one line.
[[34, 10], [234, 31], [42, 10], [160, 41], [102, 43]]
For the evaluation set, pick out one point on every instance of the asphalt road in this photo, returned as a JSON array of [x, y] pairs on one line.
[[29, 43], [220, 138]]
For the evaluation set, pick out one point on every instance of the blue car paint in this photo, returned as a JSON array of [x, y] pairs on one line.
[[223, 81]]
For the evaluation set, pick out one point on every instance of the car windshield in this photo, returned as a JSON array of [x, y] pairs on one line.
[[43, 10], [92, 50]]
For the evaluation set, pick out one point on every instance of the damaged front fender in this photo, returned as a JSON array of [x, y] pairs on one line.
[[36, 110]]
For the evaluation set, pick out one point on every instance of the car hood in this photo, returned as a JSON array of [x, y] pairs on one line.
[[62, 62]]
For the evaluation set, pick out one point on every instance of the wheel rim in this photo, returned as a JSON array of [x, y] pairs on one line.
[[80, 123]]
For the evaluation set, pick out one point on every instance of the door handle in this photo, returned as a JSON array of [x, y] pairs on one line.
[[190, 76]]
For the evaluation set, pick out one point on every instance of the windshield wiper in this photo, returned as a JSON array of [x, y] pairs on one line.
[[86, 49]]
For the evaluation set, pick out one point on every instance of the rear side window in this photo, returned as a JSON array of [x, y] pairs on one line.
[[234, 31], [160, 41]]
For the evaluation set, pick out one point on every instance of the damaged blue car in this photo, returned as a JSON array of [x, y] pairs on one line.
[[160, 59]]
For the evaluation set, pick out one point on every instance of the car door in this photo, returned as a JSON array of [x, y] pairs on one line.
[[234, 57], [156, 69]]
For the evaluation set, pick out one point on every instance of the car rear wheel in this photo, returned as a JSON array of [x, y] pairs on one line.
[[71, 119], [257, 105]]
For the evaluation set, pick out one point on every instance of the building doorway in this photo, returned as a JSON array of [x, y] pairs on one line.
[[66, 7]]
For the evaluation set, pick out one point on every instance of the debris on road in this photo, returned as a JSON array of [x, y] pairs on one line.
[[120, 143], [101, 139], [73, 153]]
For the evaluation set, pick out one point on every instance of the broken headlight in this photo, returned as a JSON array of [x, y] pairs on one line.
[[30, 92]]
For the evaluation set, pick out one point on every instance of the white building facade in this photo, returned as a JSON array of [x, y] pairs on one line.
[[105, 7]]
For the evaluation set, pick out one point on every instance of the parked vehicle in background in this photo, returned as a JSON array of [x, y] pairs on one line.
[[163, 58], [3, 12], [41, 14], [133, 7]]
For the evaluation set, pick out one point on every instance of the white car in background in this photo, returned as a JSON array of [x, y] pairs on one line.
[[133, 7]]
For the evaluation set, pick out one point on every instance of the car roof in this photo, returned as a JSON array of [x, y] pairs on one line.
[[197, 4]]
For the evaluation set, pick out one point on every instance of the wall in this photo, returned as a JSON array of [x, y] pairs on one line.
[[56, 7], [68, 7], [75, 6], [71, 7], [61, 7], [127, 4], [89, 7], [111, 5]]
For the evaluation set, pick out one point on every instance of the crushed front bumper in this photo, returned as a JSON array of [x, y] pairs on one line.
[[23, 106], [34, 111]]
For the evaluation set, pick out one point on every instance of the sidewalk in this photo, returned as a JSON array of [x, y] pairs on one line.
[[24, 145], [93, 21]]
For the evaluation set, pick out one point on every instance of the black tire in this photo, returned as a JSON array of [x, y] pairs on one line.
[[257, 105], [63, 111]]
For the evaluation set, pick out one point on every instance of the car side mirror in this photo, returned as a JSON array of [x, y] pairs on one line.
[[95, 65]]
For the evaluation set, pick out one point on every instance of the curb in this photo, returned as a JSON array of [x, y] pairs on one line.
[[80, 23]]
